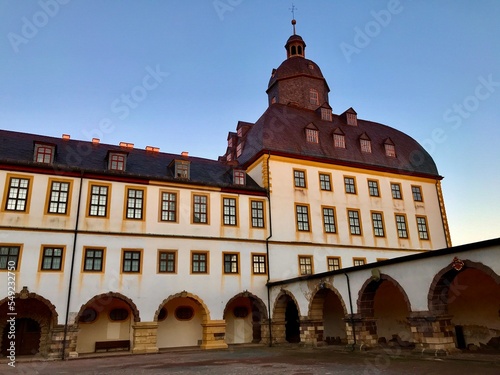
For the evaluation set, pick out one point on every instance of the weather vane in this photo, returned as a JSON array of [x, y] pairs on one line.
[[293, 9]]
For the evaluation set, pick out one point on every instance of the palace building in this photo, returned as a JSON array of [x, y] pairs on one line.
[[118, 248]]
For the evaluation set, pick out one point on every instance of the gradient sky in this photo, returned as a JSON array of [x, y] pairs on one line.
[[179, 75]]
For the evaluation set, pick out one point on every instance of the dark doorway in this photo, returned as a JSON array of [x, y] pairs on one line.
[[256, 323], [459, 334], [292, 325], [27, 337]]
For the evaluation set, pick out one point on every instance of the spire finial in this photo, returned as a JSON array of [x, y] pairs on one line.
[[293, 9]]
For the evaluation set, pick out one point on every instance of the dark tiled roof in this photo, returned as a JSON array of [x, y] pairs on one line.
[[281, 129], [82, 156], [296, 66]]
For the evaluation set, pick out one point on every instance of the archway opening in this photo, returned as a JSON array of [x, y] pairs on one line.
[[243, 315], [328, 309], [25, 333], [292, 322]]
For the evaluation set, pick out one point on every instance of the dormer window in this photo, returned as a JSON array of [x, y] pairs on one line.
[[239, 149], [338, 138], [312, 136], [182, 169], [390, 150], [326, 114], [117, 162], [239, 177], [313, 97], [44, 153], [366, 144], [352, 119]]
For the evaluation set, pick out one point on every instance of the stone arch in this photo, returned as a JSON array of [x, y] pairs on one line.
[[205, 312], [443, 282], [35, 307], [286, 325], [283, 293], [324, 287], [260, 304], [367, 292], [100, 301]]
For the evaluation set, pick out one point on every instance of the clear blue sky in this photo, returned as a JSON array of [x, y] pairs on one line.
[[428, 68]]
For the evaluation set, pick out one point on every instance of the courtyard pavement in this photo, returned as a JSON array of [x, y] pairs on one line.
[[257, 360]]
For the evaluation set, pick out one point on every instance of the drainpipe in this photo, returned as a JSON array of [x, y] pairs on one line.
[[72, 267], [267, 254], [352, 312]]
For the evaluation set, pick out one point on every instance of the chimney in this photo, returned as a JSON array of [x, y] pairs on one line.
[[66, 136], [126, 145], [152, 149], [184, 154], [95, 141]]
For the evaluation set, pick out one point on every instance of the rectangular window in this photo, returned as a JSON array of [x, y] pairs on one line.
[[333, 263], [325, 182], [168, 206], [135, 204], [423, 233], [329, 220], [312, 136], [229, 211], [313, 97], [239, 149], [354, 222], [117, 162], [417, 193], [182, 169], [305, 265], [339, 140], [166, 262], [9, 257], [44, 154], [358, 261], [302, 218], [366, 145], [199, 262], [58, 198], [257, 214], [396, 191], [93, 260], [200, 209], [231, 263], [17, 196], [259, 264], [326, 114], [350, 185], [378, 224], [239, 177], [98, 200], [299, 178], [401, 225], [131, 261], [390, 150], [373, 188], [52, 258]]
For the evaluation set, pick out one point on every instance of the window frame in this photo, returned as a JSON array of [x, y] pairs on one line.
[[353, 185], [396, 193], [49, 201], [259, 263], [312, 135], [232, 262], [307, 213], [167, 261], [390, 150], [206, 262], [89, 200], [229, 215], [239, 177], [37, 153], [419, 227], [416, 192], [262, 210], [358, 218], [142, 211], [333, 215], [358, 259], [399, 228], [313, 96], [176, 194], [194, 211], [381, 221], [140, 261], [7, 193], [117, 161], [182, 169], [323, 182], [302, 261], [84, 259], [339, 141], [372, 189], [43, 257], [300, 176], [8, 256], [365, 145], [333, 258]]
